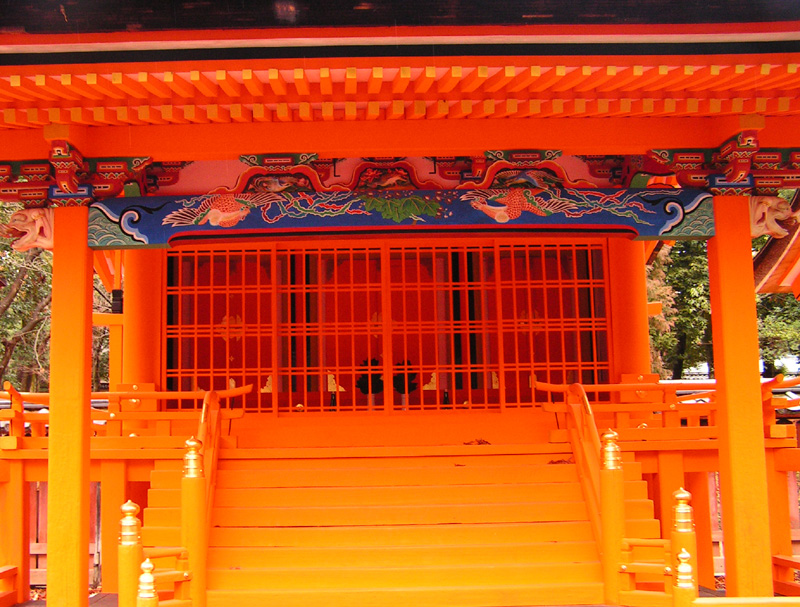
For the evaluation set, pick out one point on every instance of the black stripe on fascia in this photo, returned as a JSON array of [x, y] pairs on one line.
[[427, 50]]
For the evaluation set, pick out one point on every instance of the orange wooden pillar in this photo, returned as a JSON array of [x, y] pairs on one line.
[[113, 482], [15, 504], [141, 325], [780, 518], [697, 484], [670, 479], [70, 390], [629, 319], [743, 473]]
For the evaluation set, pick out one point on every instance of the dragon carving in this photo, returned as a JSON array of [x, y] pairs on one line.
[[765, 214], [30, 228]]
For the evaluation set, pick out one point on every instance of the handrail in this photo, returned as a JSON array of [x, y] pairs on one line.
[[208, 433], [43, 398], [18, 416], [585, 442]]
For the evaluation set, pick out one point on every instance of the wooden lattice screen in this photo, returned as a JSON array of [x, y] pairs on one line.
[[392, 325]]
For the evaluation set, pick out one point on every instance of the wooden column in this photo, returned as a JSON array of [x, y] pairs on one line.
[[697, 484], [629, 320], [743, 473], [15, 524], [670, 479], [113, 481], [70, 390], [141, 325], [780, 520]]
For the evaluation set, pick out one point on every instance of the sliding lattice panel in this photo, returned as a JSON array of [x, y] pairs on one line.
[[387, 327]]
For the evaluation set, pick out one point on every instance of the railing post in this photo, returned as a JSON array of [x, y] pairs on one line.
[[612, 515], [146, 595], [684, 590], [129, 555], [194, 521], [683, 537]]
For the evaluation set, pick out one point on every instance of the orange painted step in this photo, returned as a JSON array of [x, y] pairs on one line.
[[473, 596], [408, 576], [414, 495], [393, 535], [385, 556], [401, 535], [393, 459], [339, 496], [370, 477], [328, 516]]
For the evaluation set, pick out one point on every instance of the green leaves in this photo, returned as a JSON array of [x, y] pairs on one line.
[[400, 209]]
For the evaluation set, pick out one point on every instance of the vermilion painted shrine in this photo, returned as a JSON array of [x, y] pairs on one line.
[[381, 333]]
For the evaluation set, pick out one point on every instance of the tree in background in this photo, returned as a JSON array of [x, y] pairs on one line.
[[25, 317], [778, 329], [680, 338], [680, 277], [25, 293]]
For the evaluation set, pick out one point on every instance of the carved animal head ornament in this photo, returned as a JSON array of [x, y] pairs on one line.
[[768, 213], [30, 228]]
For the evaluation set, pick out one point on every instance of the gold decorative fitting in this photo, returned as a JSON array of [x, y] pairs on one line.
[[612, 457], [193, 460], [685, 576], [129, 529], [682, 512], [147, 581]]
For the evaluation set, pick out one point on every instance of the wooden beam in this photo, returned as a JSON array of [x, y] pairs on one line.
[[154, 86], [228, 84], [301, 83], [104, 86], [450, 79], [325, 81], [276, 82], [252, 83], [129, 86], [203, 83], [401, 80], [425, 80], [351, 81], [380, 137]]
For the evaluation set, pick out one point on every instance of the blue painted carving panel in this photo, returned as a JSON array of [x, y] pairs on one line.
[[158, 221]]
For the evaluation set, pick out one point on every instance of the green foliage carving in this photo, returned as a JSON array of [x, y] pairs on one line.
[[399, 209]]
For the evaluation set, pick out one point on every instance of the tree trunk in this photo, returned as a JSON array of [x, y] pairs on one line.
[[680, 354], [708, 346], [8, 345]]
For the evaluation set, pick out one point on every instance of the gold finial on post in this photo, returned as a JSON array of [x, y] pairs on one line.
[[682, 512], [129, 554], [129, 526], [684, 575], [684, 543], [684, 589], [612, 456], [193, 459], [147, 595]]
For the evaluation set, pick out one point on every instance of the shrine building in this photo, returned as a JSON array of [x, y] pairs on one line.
[[380, 321]]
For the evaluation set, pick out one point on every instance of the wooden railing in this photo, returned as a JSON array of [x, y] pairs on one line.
[[197, 485], [38, 421], [624, 559], [8, 587], [585, 442]]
